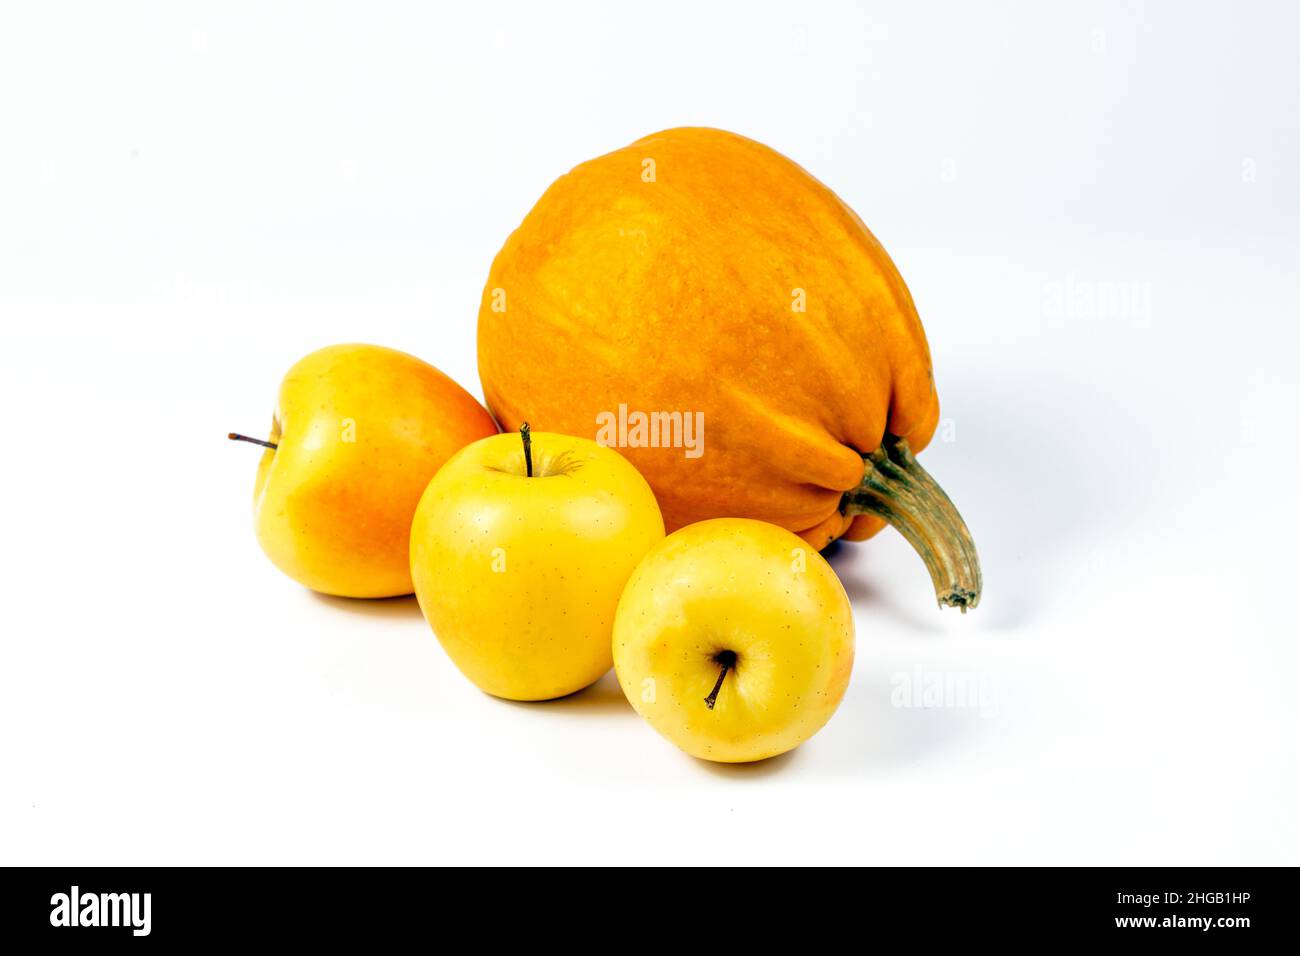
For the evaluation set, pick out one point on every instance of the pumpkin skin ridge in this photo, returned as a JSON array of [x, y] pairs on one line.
[[815, 438], [900, 295], [900, 299], [867, 361]]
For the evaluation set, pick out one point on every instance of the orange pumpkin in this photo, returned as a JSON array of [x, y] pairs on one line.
[[706, 305]]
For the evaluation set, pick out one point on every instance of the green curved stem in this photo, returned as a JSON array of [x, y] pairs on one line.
[[896, 488]]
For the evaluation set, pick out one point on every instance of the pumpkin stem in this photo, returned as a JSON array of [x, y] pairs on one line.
[[895, 487], [256, 441]]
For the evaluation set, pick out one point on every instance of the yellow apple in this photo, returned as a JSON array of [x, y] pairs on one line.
[[520, 549], [358, 432], [734, 639]]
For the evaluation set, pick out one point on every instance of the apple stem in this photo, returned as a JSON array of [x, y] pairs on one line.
[[727, 660], [256, 441], [527, 434]]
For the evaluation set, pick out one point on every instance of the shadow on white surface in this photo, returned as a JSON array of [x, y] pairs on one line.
[[1042, 478], [602, 697], [750, 771], [870, 736], [852, 562], [405, 607]]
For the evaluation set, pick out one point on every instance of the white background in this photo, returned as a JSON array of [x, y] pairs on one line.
[[1096, 206]]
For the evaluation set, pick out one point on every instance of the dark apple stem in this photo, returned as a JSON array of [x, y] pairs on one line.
[[256, 441], [526, 433], [727, 660]]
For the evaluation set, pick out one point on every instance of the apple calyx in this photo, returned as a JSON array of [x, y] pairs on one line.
[[527, 435], [256, 441], [726, 660]]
